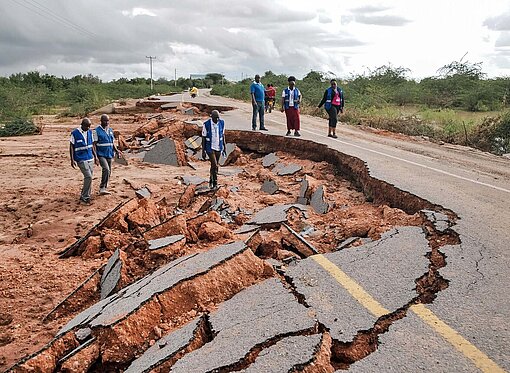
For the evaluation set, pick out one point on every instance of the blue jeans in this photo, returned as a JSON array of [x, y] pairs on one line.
[[258, 108]]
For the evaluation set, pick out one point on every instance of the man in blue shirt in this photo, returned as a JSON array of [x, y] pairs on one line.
[[257, 91]]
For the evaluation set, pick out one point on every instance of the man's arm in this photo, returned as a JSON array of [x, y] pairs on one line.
[[71, 154]]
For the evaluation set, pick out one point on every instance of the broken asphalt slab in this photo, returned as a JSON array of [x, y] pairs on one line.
[[164, 152], [274, 214], [270, 187], [111, 274], [167, 348], [392, 286], [161, 243], [270, 160], [285, 170], [261, 314]]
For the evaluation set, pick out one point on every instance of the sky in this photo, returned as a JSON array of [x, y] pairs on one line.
[[112, 39]]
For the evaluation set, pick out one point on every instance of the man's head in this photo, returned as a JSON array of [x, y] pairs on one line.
[[333, 83], [215, 115], [257, 78], [104, 120], [85, 124], [292, 81]]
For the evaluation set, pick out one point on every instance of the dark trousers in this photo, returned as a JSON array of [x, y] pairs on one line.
[[106, 166], [333, 115], [214, 157], [258, 109]]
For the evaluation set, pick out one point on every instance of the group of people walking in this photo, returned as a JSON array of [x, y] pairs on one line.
[[88, 147], [333, 101]]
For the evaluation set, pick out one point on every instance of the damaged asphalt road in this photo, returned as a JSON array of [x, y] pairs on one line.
[[267, 302]]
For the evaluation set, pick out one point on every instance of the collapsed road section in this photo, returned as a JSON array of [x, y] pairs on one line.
[[238, 278]]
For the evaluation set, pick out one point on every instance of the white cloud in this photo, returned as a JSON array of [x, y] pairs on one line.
[[135, 12]]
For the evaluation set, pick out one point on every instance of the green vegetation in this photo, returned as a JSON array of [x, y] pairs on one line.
[[25, 95], [459, 105]]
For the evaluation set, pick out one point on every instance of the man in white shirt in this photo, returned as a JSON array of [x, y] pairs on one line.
[[213, 143]]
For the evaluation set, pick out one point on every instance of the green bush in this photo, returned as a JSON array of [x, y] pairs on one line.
[[19, 127]]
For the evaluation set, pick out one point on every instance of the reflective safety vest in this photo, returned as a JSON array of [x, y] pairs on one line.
[[208, 137], [287, 98], [104, 144], [330, 96], [82, 150]]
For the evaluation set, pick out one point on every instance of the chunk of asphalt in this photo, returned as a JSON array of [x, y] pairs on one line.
[[270, 160], [346, 242], [285, 170], [270, 187], [288, 355], [75, 351], [303, 188], [189, 111], [302, 200], [164, 152], [229, 148], [317, 201], [230, 171], [392, 286], [261, 314], [111, 274], [440, 221], [300, 244], [143, 193], [274, 214], [170, 105], [161, 243], [166, 348], [121, 160], [120, 305], [193, 143], [192, 179], [83, 334], [246, 228]]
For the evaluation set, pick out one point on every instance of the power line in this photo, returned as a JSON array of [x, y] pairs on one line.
[[52, 13], [54, 17]]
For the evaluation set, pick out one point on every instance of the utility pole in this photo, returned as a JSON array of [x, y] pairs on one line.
[[175, 77], [151, 58]]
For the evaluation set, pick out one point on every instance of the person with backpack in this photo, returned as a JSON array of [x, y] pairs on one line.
[[334, 103]]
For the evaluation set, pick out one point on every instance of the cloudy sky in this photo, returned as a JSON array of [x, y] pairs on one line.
[[239, 38]]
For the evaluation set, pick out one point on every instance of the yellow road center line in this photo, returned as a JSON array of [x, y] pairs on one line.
[[482, 361]]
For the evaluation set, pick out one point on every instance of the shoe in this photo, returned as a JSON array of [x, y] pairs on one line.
[[334, 136], [85, 202], [263, 129], [330, 135], [254, 128], [288, 133], [297, 134], [103, 191]]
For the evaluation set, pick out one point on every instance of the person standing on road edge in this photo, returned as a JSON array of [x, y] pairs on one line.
[[334, 100], [213, 143], [257, 92], [81, 151], [105, 149], [291, 97]]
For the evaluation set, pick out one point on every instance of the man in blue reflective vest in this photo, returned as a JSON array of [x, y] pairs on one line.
[[213, 143], [105, 149], [82, 153], [334, 100]]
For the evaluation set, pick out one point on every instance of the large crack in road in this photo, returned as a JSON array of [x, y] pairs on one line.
[[243, 288]]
